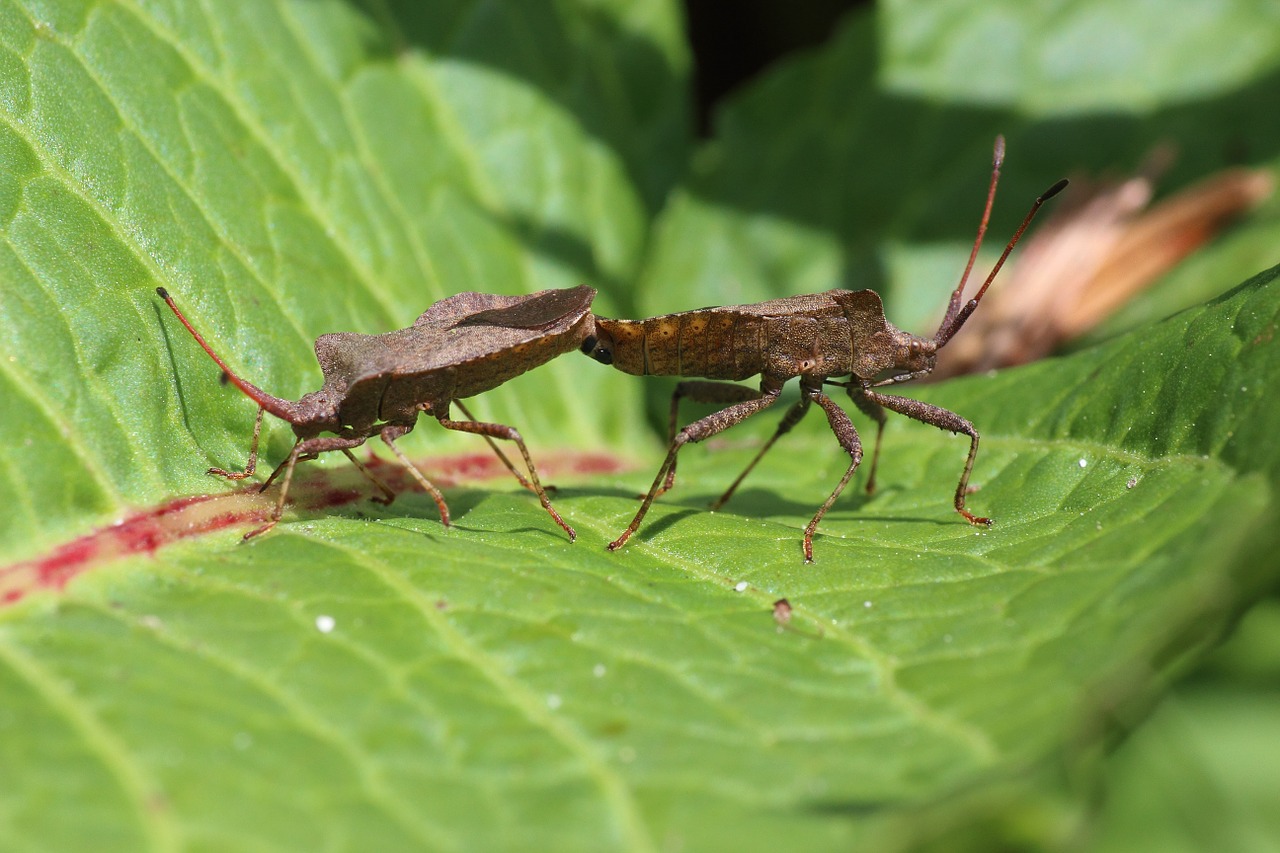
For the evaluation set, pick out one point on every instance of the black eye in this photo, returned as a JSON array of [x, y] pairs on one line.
[[600, 352]]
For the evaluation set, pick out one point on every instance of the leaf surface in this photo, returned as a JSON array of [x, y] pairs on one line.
[[364, 677]]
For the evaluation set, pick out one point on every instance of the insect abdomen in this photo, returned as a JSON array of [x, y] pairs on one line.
[[711, 344]]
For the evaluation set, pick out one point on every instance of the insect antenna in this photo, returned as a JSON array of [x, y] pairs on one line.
[[957, 312], [283, 409]]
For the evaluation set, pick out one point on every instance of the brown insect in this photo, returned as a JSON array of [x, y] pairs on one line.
[[814, 337], [379, 384]]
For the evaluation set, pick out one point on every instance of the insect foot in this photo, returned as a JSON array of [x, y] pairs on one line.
[[377, 385], [838, 338]]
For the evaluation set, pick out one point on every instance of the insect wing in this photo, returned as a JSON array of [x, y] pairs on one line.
[[543, 311]]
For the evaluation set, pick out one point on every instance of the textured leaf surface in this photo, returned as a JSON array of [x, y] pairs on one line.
[[364, 678], [298, 169], [577, 699]]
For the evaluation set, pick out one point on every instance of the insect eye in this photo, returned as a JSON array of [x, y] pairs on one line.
[[597, 350]]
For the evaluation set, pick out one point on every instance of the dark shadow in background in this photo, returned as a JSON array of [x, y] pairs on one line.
[[870, 171], [863, 165]]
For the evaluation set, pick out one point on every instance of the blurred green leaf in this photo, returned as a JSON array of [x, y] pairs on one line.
[[829, 172], [1084, 57], [1201, 774], [293, 168]]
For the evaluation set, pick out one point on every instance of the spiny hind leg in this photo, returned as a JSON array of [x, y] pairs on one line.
[[701, 391], [700, 430], [493, 445], [491, 431], [793, 416]]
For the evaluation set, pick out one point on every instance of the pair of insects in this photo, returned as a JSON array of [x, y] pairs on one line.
[[378, 385]]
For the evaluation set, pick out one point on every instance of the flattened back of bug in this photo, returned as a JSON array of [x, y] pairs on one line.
[[807, 304], [348, 357], [503, 353], [535, 311], [863, 309], [356, 368], [485, 339], [545, 310], [724, 342]]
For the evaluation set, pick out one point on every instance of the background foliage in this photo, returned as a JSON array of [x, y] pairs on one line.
[[292, 168]]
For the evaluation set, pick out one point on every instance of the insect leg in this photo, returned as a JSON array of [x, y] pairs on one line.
[[387, 495], [493, 445], [252, 464], [942, 419], [874, 411], [700, 391], [848, 438], [276, 471], [303, 449], [510, 434], [701, 430], [389, 435], [792, 418]]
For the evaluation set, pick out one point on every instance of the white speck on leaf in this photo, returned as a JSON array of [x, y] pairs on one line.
[[598, 670], [554, 701], [1084, 463], [325, 624], [741, 587], [866, 604]]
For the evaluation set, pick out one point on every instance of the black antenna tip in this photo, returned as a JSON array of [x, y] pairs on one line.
[[162, 293], [1055, 189]]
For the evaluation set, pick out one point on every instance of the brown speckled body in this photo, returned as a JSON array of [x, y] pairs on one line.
[[831, 334], [820, 338], [380, 384], [459, 347]]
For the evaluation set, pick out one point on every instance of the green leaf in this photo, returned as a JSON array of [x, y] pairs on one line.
[[290, 169], [1202, 772], [1085, 57], [362, 676]]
